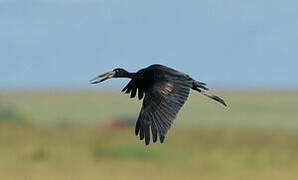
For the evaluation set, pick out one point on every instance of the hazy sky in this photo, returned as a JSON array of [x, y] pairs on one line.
[[231, 43]]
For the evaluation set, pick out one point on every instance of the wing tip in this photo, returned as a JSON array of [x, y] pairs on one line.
[[161, 138], [144, 134], [137, 129], [147, 142]]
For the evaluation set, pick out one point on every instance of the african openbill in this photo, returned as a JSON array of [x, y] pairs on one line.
[[165, 90]]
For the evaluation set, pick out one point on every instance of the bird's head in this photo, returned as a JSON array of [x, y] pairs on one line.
[[116, 73]]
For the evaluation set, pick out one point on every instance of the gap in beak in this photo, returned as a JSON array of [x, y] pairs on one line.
[[106, 75]]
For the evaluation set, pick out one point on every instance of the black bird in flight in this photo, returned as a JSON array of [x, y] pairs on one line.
[[165, 90]]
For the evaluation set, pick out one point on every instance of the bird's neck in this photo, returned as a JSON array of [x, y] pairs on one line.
[[133, 75], [129, 75]]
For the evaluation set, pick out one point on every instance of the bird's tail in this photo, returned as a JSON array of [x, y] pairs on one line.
[[201, 88]]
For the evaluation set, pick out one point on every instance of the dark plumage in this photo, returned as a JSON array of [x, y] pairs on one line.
[[164, 90]]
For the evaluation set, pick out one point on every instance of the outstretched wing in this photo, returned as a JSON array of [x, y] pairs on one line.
[[160, 106]]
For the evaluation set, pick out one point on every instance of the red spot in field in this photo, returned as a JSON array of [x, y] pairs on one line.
[[116, 123]]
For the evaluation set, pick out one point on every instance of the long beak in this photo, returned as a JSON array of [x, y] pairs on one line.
[[106, 75]]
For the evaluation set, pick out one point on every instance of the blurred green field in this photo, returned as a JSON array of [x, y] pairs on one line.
[[63, 136], [251, 109]]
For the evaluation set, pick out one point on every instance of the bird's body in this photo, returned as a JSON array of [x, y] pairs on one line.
[[164, 90]]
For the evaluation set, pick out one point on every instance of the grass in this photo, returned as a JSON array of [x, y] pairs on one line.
[[10, 114], [255, 138], [78, 152], [253, 109]]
